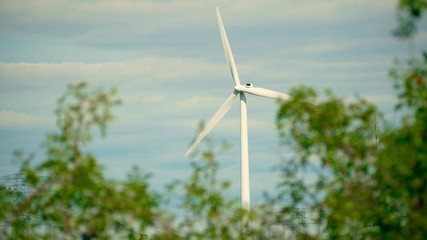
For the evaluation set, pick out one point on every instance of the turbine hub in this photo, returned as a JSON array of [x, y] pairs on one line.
[[243, 88]]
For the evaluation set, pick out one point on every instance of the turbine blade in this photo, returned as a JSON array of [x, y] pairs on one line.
[[263, 92], [225, 107], [227, 50]]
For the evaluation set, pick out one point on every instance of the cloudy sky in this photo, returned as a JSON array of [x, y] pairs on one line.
[[166, 59]]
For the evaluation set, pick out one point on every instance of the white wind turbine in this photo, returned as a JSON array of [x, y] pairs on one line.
[[240, 90]]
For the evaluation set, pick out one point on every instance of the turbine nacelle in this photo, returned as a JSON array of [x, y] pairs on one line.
[[241, 88], [262, 92]]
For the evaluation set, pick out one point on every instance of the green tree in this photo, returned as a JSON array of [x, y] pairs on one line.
[[361, 176], [409, 13], [206, 210], [71, 195]]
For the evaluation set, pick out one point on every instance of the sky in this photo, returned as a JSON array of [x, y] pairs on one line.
[[167, 61]]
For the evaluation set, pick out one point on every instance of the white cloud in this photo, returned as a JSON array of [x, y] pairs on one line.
[[382, 99], [16, 120], [86, 20], [143, 70]]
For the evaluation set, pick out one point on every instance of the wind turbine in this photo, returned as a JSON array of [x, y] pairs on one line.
[[240, 90]]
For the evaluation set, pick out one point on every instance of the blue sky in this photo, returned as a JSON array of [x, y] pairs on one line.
[[166, 59]]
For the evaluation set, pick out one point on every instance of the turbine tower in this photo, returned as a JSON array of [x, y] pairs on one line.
[[240, 90]]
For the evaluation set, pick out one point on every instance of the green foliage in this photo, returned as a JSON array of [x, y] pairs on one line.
[[409, 13], [207, 212], [71, 196], [335, 145], [403, 158], [341, 173], [361, 176]]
